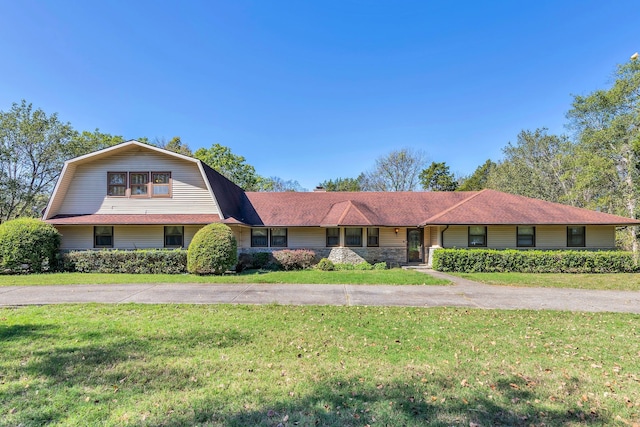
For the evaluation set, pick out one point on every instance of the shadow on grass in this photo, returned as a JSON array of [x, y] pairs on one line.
[[17, 332], [339, 400], [92, 374], [347, 402]]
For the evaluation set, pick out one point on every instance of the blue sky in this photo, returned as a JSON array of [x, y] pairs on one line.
[[315, 90]]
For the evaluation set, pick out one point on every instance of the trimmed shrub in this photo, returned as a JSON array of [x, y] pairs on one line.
[[345, 266], [261, 259], [298, 259], [142, 261], [28, 245], [213, 250], [533, 261], [363, 266], [254, 260], [325, 264], [380, 266]]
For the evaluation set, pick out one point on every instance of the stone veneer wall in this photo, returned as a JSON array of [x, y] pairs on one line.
[[392, 256]]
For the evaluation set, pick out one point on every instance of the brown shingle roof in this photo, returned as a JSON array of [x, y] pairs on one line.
[[350, 208], [486, 207], [494, 208], [125, 219]]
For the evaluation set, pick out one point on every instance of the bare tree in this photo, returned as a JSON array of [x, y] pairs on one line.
[[397, 171]]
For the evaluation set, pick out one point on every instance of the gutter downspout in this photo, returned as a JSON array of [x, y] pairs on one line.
[[442, 236]]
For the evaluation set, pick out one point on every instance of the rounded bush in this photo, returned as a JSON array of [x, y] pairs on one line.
[[325, 264], [213, 250], [28, 245]]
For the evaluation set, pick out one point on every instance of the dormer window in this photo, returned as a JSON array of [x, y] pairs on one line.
[[139, 184], [117, 184]]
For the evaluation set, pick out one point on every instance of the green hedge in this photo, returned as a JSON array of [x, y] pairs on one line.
[[533, 261], [151, 261]]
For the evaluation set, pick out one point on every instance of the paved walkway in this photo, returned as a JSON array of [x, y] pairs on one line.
[[464, 293]]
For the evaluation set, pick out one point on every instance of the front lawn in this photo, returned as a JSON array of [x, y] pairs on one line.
[[183, 365], [396, 276], [608, 281]]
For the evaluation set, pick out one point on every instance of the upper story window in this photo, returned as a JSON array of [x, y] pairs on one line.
[[161, 184], [477, 236], [117, 184], [576, 236], [139, 184], [526, 237]]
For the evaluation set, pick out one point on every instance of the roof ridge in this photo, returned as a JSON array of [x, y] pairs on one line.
[[457, 205]]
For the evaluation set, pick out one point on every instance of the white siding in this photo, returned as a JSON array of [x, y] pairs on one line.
[[138, 236], [86, 193], [389, 238], [124, 236], [307, 237], [76, 237], [601, 237], [501, 237], [456, 236], [547, 237]]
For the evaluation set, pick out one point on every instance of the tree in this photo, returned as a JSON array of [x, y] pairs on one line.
[[176, 145], [478, 179], [278, 185], [87, 142], [608, 129], [535, 167], [230, 165], [343, 184], [438, 178], [397, 171], [33, 148]]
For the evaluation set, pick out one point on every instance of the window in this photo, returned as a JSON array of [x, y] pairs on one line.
[[102, 236], [353, 236], [575, 236], [333, 237], [279, 237], [161, 184], [526, 237], [373, 237], [173, 236], [259, 237], [139, 181], [140, 184], [477, 236], [117, 184]]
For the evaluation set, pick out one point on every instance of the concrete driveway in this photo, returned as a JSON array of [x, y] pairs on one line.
[[463, 293]]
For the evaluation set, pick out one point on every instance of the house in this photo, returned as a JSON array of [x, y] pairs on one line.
[[133, 196]]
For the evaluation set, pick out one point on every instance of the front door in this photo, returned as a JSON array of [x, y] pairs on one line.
[[414, 245]]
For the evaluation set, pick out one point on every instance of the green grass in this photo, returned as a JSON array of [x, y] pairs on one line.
[[150, 365], [394, 276], [617, 281]]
